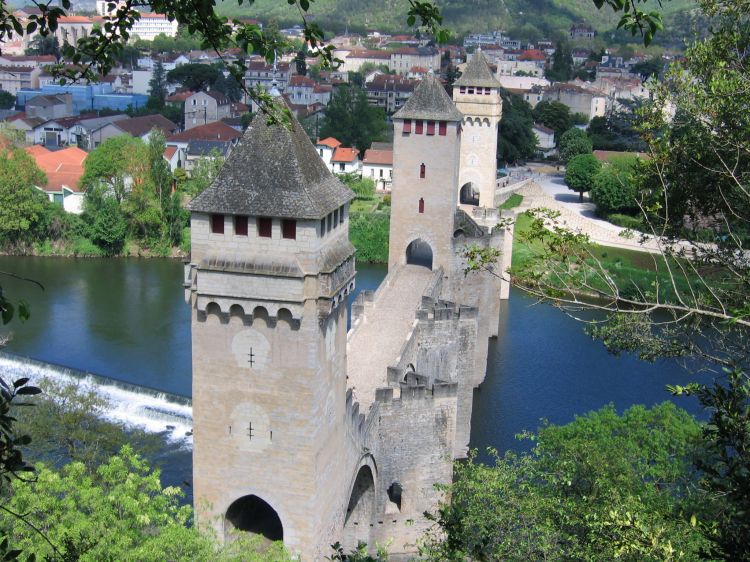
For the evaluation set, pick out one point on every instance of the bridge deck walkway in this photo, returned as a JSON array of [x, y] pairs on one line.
[[376, 342]]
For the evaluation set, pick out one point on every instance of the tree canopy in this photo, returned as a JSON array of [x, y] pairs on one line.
[[555, 115], [574, 142], [21, 204], [516, 139], [580, 173], [351, 119]]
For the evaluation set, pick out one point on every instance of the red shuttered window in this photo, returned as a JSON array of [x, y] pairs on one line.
[[430, 127], [407, 126], [265, 227], [419, 127], [421, 206], [289, 229], [442, 128], [422, 170], [217, 224], [240, 225]]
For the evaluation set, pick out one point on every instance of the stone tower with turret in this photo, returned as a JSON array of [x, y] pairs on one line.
[[270, 270], [426, 148], [477, 97]]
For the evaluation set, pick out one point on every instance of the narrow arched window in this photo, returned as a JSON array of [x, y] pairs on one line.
[[421, 205], [422, 169]]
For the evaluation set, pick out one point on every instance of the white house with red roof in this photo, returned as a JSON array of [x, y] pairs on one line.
[[63, 169], [326, 148], [345, 161], [378, 166]]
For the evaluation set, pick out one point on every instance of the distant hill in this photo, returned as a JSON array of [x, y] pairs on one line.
[[534, 16]]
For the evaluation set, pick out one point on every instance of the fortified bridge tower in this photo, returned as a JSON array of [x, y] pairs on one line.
[[477, 96], [271, 266]]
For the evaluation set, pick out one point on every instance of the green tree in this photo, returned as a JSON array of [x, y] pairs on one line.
[[44, 45], [194, 76], [604, 487], [22, 206], [109, 228], [118, 163], [121, 512], [351, 119], [228, 86], [580, 173], [613, 190], [648, 68], [554, 115], [562, 63], [515, 137], [204, 171], [157, 88], [7, 100], [574, 142]]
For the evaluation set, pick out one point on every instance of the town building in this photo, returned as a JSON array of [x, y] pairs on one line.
[[72, 28], [582, 30], [202, 108], [15, 78], [579, 100], [404, 59], [302, 90], [389, 91], [223, 137], [261, 74], [378, 166], [326, 148], [50, 106], [149, 25], [545, 140]]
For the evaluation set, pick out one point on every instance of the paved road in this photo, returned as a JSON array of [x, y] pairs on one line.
[[377, 341]]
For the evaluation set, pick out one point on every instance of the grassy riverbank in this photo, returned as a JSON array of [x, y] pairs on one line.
[[632, 271]]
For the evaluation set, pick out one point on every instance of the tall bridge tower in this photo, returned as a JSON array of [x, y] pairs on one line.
[[426, 146], [477, 96], [270, 271]]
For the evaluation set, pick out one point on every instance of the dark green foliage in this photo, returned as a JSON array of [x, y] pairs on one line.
[[554, 115], [7, 100], [228, 86], [574, 142], [109, 228], [516, 139], [562, 63], [613, 190], [44, 45], [194, 76], [22, 206], [157, 88], [626, 221], [363, 187], [369, 234], [351, 119], [580, 173], [604, 487], [617, 130], [512, 202], [648, 68]]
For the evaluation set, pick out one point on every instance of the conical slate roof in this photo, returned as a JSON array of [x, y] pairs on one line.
[[429, 101], [274, 171], [477, 73]]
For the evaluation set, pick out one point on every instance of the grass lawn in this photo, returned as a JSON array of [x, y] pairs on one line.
[[364, 205], [512, 202], [630, 269]]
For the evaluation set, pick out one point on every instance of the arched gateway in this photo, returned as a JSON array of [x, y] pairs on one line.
[[469, 194], [419, 252], [253, 515]]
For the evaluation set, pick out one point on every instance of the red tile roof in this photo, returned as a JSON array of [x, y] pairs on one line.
[[62, 167], [330, 142], [169, 152], [378, 157], [533, 54], [211, 131], [74, 19], [344, 154]]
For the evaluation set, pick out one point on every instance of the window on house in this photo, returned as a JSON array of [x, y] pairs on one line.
[[265, 227], [407, 126], [341, 214], [421, 205], [372, 172], [341, 167], [322, 227], [422, 170], [217, 224], [194, 102], [463, 89], [321, 152], [419, 127], [442, 128], [329, 222], [289, 229], [430, 127], [240, 225], [335, 218], [381, 172], [487, 91]]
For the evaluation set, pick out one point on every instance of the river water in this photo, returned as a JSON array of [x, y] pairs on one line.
[[127, 319]]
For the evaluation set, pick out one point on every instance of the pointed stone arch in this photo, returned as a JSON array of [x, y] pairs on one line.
[[255, 516]]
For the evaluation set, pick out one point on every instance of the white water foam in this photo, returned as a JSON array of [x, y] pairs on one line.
[[149, 409]]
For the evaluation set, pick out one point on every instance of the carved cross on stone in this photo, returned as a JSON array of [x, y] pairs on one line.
[[250, 431], [251, 356]]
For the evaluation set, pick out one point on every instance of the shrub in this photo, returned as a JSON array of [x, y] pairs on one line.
[[626, 221], [85, 247], [613, 190], [369, 234]]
